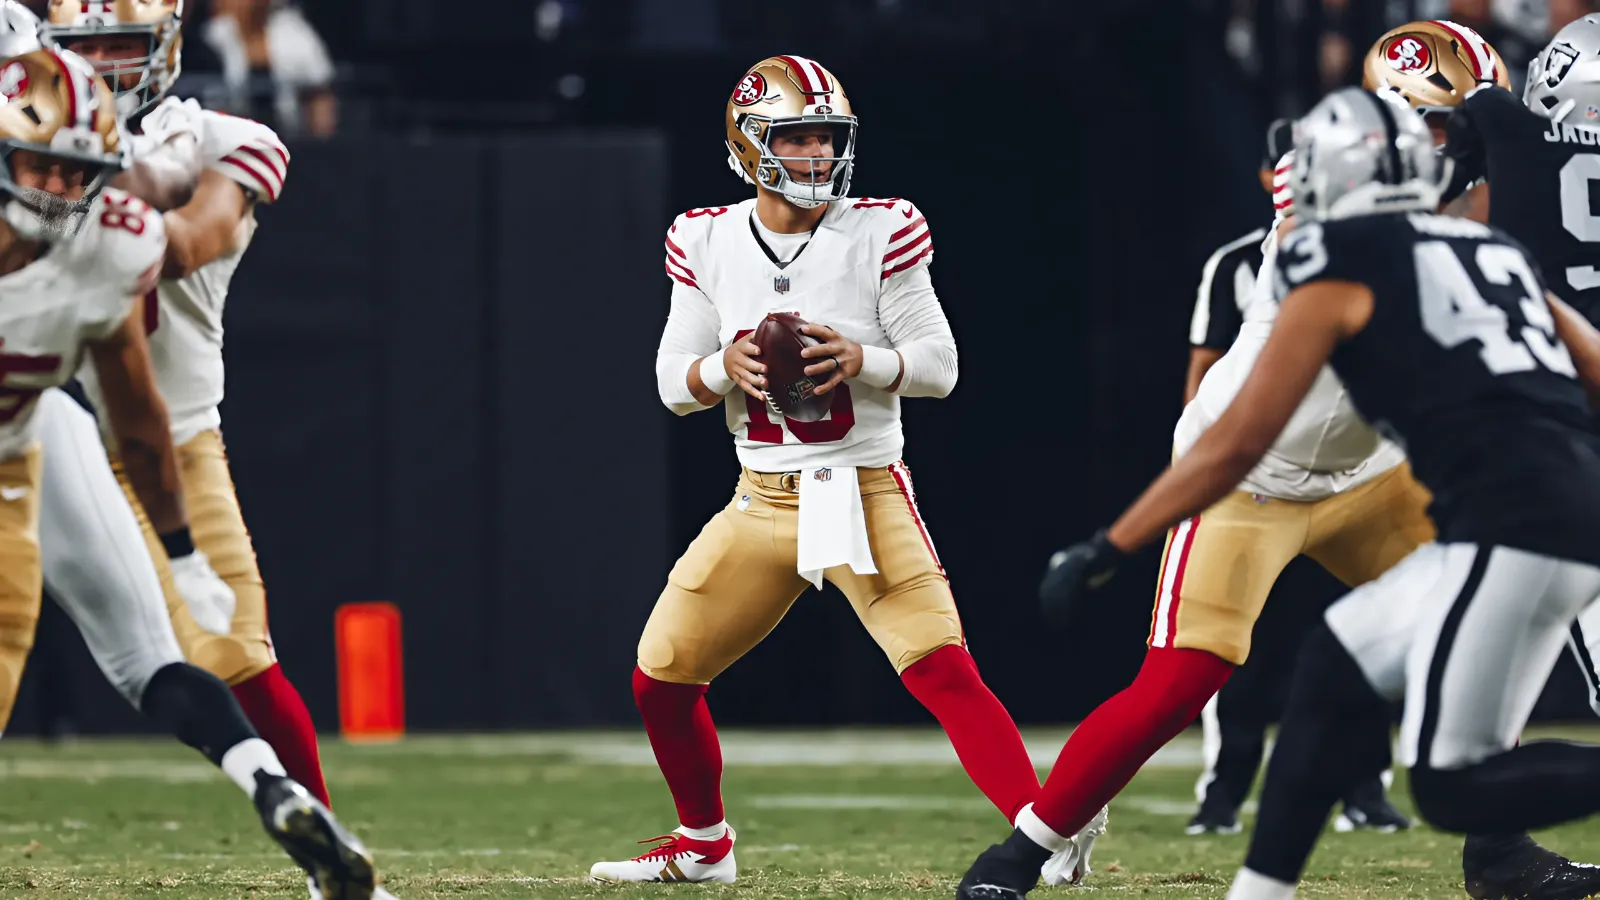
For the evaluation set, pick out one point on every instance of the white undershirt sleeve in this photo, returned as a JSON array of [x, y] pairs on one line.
[[690, 333], [909, 311]]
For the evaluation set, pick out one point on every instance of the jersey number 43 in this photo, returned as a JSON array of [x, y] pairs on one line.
[[1454, 310]]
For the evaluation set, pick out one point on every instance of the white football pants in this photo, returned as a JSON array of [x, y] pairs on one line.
[[1467, 635], [96, 563]]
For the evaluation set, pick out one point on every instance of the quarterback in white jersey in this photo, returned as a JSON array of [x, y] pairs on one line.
[[136, 45], [76, 261], [819, 500]]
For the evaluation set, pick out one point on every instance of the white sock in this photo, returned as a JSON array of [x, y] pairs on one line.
[[1248, 885], [1037, 831], [705, 834], [248, 757]]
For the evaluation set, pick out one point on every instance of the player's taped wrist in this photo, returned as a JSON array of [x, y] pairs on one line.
[[880, 366], [714, 375], [178, 543]]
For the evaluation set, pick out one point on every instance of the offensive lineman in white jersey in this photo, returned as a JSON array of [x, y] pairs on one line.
[[136, 44], [821, 500], [75, 260]]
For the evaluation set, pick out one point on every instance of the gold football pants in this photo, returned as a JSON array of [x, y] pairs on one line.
[[739, 578], [217, 527], [21, 579], [1219, 566]]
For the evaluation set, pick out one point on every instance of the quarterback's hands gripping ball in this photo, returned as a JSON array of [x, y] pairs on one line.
[[1074, 574], [749, 373], [837, 356], [791, 391]]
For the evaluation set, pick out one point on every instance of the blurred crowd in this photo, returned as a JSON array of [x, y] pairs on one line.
[[1293, 51], [262, 59]]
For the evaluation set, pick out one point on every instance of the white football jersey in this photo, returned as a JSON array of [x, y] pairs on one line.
[[1325, 448], [81, 290], [837, 281], [185, 327]]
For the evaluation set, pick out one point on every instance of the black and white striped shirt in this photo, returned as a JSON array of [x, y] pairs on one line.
[[1225, 286]]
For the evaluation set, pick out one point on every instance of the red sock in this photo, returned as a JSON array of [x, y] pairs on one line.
[[946, 681], [684, 739], [1107, 748], [274, 707]]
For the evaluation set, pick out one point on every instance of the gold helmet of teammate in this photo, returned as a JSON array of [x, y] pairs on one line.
[[142, 75], [781, 92], [1432, 65], [55, 107]]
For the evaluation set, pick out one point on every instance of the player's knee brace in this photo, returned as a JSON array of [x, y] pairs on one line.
[[197, 708]]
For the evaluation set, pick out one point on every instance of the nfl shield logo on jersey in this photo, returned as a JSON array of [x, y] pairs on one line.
[[781, 284], [823, 474]]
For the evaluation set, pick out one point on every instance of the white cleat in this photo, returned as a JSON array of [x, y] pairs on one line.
[[1071, 865], [678, 858]]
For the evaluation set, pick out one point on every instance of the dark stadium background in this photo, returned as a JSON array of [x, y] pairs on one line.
[[441, 345]]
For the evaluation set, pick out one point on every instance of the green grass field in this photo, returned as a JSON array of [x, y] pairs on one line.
[[820, 814]]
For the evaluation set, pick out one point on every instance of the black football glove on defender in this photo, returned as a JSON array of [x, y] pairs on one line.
[[1075, 573]]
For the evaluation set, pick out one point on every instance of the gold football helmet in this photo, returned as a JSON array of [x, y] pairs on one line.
[[784, 91], [160, 21], [54, 104], [1432, 65]]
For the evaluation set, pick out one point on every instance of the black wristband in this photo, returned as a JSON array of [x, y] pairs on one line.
[[178, 543]]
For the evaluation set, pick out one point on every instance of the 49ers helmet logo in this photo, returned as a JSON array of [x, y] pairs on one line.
[[13, 81], [1407, 54], [750, 90]]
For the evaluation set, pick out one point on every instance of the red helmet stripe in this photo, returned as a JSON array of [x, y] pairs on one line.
[[1477, 49], [813, 82]]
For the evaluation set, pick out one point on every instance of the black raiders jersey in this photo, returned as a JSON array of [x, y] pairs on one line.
[[1460, 364], [1544, 185]]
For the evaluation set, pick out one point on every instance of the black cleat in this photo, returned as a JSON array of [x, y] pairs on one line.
[[1368, 807], [1005, 871], [1216, 816], [1513, 867], [334, 858]]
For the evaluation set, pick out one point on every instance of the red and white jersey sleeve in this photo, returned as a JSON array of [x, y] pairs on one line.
[[692, 322], [246, 152], [858, 252], [120, 247], [910, 244]]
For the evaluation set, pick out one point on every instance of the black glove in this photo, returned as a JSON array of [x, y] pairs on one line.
[[1074, 573]]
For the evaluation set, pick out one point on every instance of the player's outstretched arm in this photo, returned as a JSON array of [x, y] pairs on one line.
[[1312, 321], [138, 418], [205, 228], [1583, 343]]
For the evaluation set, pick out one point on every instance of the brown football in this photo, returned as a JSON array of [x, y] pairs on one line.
[[788, 385]]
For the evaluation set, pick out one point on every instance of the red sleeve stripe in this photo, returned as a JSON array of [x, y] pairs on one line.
[[681, 279], [267, 161], [905, 248], [920, 221], [256, 178], [282, 154], [674, 264], [675, 248], [910, 262]]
